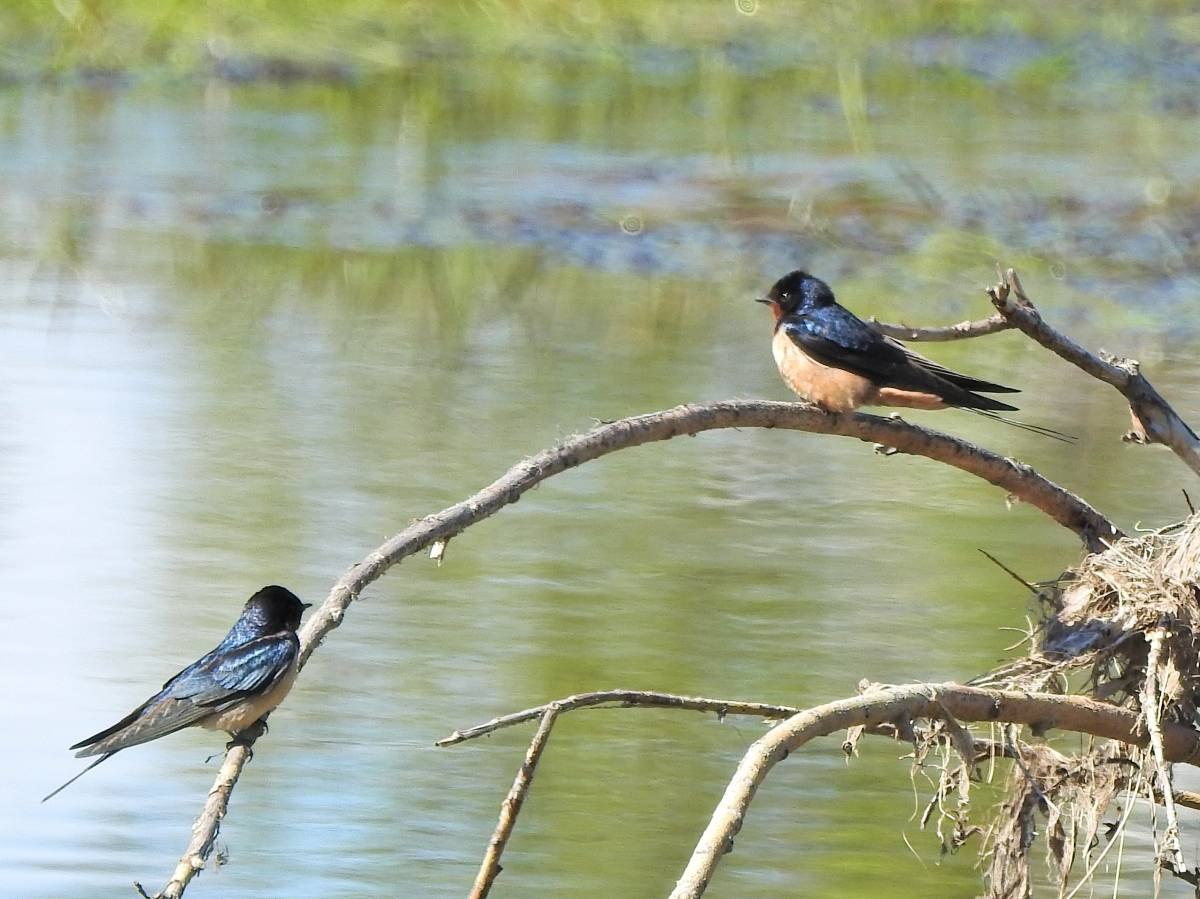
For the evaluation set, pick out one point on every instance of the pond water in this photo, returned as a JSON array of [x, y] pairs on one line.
[[247, 331]]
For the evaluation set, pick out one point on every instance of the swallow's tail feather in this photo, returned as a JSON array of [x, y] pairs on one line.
[[957, 378], [89, 746], [974, 402], [102, 758], [159, 716], [966, 382], [1024, 426]]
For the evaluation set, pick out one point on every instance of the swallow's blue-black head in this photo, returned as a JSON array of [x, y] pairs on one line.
[[275, 609], [797, 290]]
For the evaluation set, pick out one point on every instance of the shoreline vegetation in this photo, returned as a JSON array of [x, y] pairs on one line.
[[350, 41]]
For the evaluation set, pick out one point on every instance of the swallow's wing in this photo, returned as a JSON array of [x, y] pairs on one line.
[[964, 381], [242, 671], [836, 337], [217, 680], [158, 716]]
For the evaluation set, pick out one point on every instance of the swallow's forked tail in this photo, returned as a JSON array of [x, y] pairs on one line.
[[1024, 426], [102, 758]]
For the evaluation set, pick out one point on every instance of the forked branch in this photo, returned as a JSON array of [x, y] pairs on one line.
[[547, 714], [1154, 420], [889, 711]]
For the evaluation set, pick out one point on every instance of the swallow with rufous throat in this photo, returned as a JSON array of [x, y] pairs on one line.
[[242, 679], [832, 358]]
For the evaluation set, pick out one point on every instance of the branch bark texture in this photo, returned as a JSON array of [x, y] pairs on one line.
[[944, 333], [489, 870]]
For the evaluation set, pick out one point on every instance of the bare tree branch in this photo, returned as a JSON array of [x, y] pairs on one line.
[[959, 331], [204, 831], [1186, 798], [623, 699], [1154, 420], [1018, 479], [885, 704], [490, 869], [547, 714], [971, 750]]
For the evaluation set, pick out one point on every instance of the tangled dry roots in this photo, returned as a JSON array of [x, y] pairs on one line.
[[1122, 629]]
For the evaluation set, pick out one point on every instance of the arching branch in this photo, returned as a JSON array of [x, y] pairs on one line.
[[1043, 710], [1016, 478], [889, 704]]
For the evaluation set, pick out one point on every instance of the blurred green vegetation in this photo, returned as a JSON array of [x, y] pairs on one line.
[[373, 36]]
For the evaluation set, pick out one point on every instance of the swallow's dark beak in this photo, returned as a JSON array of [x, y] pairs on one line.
[[305, 605]]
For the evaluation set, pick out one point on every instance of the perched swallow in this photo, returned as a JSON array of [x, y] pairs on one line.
[[831, 357], [244, 677]]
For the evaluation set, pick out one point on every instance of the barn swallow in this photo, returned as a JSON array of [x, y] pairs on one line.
[[244, 677], [830, 357]]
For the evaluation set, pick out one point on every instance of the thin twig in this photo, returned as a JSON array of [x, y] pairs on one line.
[[959, 331], [1155, 421], [1015, 478], [623, 699], [1032, 588], [511, 807]]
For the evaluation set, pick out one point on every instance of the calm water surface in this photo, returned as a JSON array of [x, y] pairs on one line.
[[246, 333]]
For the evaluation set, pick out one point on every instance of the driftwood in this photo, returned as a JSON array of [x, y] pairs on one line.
[[907, 711]]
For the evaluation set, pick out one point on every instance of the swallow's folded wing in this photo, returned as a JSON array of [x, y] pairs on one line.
[[837, 338], [158, 716], [244, 670], [954, 377], [223, 677]]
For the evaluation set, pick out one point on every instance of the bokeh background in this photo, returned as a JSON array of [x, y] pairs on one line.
[[276, 278]]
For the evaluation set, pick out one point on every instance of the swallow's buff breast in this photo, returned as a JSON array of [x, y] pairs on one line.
[[836, 390], [830, 388], [244, 714]]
